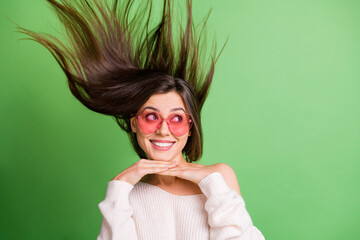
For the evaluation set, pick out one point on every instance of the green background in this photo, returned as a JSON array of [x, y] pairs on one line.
[[283, 112]]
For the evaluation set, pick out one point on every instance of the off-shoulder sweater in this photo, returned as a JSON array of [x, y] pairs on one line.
[[145, 211]]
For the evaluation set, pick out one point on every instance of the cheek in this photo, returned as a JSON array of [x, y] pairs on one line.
[[143, 142], [182, 141]]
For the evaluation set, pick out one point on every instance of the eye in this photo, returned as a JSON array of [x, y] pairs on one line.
[[177, 118], [151, 117]]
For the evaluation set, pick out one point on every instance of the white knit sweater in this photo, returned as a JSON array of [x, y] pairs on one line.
[[145, 211]]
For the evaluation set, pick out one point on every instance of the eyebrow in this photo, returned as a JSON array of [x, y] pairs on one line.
[[171, 110]]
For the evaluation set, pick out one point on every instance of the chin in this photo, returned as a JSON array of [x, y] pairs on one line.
[[162, 157]]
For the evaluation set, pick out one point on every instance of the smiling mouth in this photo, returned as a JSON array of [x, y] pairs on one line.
[[162, 144]]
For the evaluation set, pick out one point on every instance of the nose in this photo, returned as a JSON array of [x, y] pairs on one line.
[[164, 129]]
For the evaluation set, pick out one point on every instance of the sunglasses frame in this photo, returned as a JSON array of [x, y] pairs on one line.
[[162, 120]]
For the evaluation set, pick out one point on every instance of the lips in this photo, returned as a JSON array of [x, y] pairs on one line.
[[162, 145]]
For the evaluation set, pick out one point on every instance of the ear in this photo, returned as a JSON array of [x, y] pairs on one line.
[[133, 124]]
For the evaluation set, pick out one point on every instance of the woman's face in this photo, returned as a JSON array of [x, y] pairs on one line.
[[162, 145]]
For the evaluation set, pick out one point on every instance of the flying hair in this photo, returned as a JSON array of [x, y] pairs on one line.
[[115, 58]]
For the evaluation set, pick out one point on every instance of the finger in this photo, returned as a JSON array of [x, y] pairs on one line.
[[142, 165], [182, 173], [154, 160], [157, 169], [171, 172], [158, 164]]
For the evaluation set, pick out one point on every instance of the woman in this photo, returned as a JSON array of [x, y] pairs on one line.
[[154, 88]]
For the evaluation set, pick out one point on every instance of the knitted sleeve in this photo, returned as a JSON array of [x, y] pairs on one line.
[[117, 221], [227, 215]]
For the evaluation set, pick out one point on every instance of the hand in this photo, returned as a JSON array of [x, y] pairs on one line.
[[189, 171], [135, 172]]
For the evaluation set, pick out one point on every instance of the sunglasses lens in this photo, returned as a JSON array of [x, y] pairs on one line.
[[179, 123], [149, 121]]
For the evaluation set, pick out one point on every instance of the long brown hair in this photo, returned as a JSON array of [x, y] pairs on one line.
[[114, 61]]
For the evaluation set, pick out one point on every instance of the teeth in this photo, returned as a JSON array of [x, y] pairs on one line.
[[162, 144]]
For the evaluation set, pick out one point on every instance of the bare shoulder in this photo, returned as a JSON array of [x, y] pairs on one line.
[[228, 174]]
